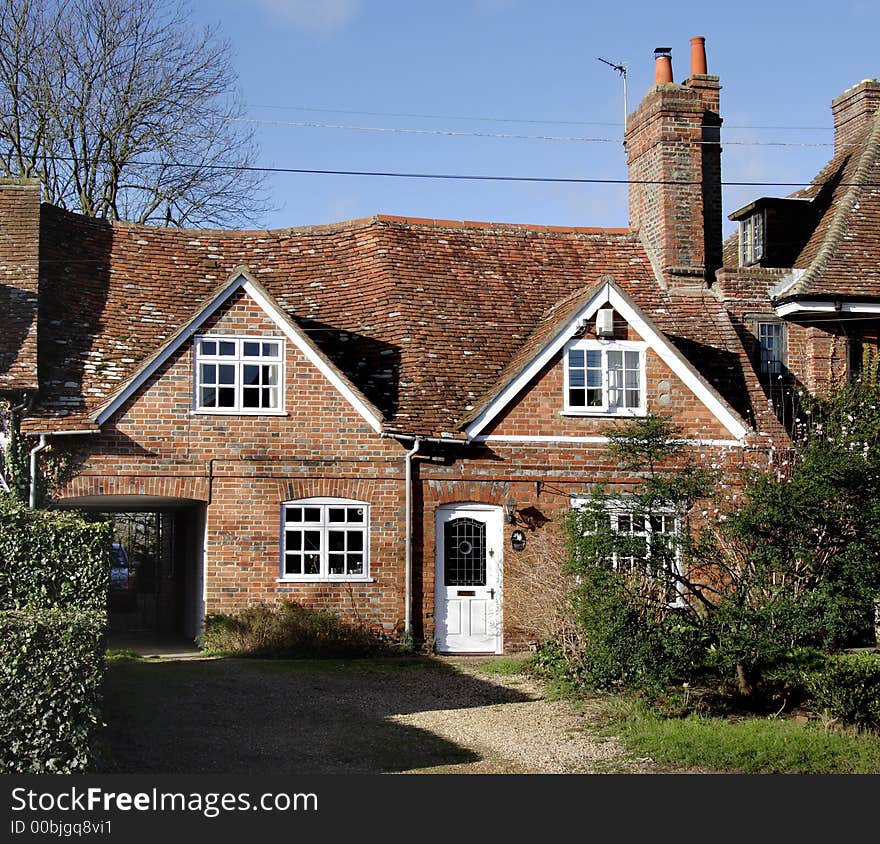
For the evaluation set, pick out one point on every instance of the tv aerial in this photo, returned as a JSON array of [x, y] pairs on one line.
[[620, 67]]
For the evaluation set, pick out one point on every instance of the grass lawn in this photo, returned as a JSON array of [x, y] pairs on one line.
[[752, 745]]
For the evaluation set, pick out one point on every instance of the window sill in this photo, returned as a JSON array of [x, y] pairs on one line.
[[315, 579], [620, 414], [238, 413]]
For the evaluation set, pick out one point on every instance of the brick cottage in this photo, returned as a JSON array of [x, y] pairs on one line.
[[382, 416]]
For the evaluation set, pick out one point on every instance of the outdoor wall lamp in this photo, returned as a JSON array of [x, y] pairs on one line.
[[510, 511]]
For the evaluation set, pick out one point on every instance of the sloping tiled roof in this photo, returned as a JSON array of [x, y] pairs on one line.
[[422, 315]]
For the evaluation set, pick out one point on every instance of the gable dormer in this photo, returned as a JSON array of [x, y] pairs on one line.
[[773, 231], [596, 357]]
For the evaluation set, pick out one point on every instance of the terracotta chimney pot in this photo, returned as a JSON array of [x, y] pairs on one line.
[[662, 65], [698, 56]]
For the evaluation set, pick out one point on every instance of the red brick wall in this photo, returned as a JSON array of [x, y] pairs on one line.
[[816, 355], [542, 479]]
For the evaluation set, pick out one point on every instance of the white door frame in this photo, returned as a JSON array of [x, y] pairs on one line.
[[491, 515]]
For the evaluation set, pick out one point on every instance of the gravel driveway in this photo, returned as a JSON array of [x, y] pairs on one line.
[[300, 717]]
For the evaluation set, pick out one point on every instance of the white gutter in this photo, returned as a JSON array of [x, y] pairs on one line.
[[825, 307], [33, 474], [66, 433]]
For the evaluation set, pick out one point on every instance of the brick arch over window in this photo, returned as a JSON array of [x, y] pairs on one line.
[[193, 488], [350, 488]]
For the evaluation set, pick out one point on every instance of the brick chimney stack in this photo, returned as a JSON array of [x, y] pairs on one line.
[[674, 160], [853, 110], [19, 281]]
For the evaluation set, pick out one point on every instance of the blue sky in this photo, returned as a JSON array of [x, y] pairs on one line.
[[524, 67]]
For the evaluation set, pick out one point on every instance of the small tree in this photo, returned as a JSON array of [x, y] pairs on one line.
[[124, 110], [627, 552]]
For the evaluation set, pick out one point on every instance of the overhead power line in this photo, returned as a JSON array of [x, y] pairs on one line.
[[522, 120], [398, 130], [472, 177]]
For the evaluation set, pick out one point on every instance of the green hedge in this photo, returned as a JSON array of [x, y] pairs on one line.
[[52, 559], [848, 688], [54, 570], [51, 670]]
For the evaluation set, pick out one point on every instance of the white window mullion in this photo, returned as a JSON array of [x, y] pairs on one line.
[[324, 567], [239, 376], [605, 381]]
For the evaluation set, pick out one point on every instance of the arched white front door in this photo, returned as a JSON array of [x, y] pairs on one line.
[[467, 590]]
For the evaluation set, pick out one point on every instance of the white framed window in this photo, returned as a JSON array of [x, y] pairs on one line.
[[751, 239], [771, 347], [642, 537], [239, 374], [325, 539], [605, 377]]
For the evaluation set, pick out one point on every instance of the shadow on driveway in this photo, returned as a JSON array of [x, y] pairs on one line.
[[241, 716]]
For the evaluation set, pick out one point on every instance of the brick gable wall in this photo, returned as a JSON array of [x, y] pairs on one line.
[[539, 410], [244, 467]]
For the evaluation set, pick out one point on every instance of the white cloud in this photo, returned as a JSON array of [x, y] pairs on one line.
[[315, 15]]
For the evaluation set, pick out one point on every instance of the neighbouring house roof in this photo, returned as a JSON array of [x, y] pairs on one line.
[[420, 317], [840, 257]]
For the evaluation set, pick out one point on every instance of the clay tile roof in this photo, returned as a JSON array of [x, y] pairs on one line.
[[422, 316]]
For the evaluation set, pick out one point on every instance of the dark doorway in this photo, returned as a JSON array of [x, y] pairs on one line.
[[144, 581], [154, 578]]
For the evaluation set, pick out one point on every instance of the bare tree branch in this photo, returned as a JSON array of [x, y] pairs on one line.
[[126, 111]]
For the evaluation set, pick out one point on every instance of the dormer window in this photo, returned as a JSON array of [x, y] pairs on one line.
[[751, 239]]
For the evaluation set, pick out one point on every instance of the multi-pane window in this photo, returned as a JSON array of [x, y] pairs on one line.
[[238, 374], [771, 347], [605, 377], [641, 537], [751, 239], [644, 544], [324, 538]]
